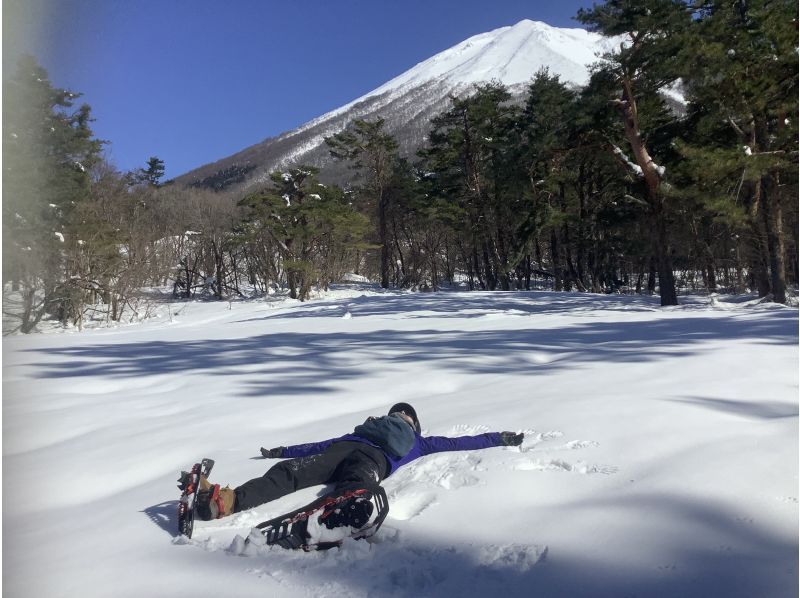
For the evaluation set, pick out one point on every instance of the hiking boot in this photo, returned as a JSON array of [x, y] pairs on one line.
[[214, 502]]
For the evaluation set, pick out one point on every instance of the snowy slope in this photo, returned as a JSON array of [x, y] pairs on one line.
[[660, 456], [511, 55]]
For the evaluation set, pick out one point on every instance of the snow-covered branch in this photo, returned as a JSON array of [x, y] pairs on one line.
[[632, 166]]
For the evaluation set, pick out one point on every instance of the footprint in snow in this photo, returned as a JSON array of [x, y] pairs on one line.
[[580, 444], [561, 465], [413, 489], [518, 557], [449, 471], [407, 505], [550, 435], [467, 430], [533, 439]]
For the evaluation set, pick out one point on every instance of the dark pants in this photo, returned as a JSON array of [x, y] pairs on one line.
[[340, 463]]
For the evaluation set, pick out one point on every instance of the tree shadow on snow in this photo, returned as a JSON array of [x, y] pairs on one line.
[[689, 548], [306, 363], [755, 409], [473, 304]]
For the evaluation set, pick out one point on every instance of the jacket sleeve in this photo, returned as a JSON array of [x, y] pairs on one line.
[[439, 444], [304, 450]]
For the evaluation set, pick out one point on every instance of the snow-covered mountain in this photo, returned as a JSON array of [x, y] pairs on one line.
[[511, 55]]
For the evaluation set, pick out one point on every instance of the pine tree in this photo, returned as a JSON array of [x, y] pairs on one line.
[[472, 159], [741, 76], [48, 149], [149, 176], [373, 154], [546, 135], [310, 224], [645, 63], [154, 171]]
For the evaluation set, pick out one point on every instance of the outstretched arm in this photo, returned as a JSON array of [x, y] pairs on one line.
[[297, 450], [438, 444]]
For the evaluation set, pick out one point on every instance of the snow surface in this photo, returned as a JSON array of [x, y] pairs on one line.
[[511, 55], [660, 456]]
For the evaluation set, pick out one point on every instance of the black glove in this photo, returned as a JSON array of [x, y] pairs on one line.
[[510, 439], [276, 453]]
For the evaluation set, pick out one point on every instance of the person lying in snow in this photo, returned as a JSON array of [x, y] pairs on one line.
[[375, 450]]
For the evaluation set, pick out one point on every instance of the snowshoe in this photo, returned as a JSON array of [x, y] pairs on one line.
[[354, 511], [189, 485]]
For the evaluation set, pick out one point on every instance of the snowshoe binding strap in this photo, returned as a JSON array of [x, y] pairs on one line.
[[354, 514], [185, 482], [209, 504]]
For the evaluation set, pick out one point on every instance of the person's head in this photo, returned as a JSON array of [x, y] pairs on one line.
[[408, 413]]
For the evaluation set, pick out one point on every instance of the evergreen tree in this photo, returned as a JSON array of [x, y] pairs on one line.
[[48, 149], [310, 224], [373, 154], [741, 76], [147, 176], [423, 224], [472, 159], [154, 171], [546, 135], [645, 63]]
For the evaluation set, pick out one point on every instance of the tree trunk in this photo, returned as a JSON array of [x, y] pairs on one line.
[[501, 261], [476, 264], [651, 277], [528, 269], [386, 250], [580, 245], [573, 271], [759, 252], [558, 274], [400, 280], [639, 280], [219, 269], [652, 179], [489, 275], [773, 222], [666, 276]]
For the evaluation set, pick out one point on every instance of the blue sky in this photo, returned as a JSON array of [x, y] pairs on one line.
[[192, 81]]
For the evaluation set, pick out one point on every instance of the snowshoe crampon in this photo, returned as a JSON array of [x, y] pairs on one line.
[[354, 511], [189, 485]]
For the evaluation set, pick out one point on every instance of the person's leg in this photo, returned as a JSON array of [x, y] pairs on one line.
[[293, 474], [363, 468], [365, 465]]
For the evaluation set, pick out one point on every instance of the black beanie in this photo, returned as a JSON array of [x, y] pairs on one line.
[[408, 410]]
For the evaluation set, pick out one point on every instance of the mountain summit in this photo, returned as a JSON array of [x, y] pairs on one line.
[[511, 55]]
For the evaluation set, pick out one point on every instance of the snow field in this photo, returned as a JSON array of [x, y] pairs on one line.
[[660, 455]]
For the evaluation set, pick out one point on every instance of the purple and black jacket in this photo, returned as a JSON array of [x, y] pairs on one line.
[[423, 445]]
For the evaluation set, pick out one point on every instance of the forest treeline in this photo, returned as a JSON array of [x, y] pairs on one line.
[[675, 167]]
